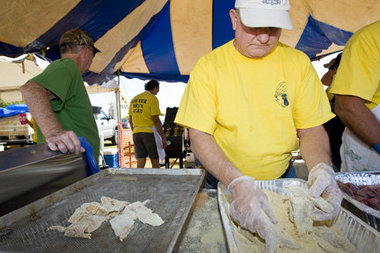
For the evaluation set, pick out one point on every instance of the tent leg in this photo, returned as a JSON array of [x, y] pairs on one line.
[[118, 117]]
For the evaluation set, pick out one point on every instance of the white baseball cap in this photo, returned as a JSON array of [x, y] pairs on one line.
[[264, 13]]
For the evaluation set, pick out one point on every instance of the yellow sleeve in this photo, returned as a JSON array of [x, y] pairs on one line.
[[155, 108], [311, 105], [130, 108], [358, 73], [198, 106]]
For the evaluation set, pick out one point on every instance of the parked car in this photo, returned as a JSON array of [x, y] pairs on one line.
[[106, 125]]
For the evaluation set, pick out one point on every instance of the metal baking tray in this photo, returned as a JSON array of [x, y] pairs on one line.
[[364, 212], [361, 235], [204, 230], [171, 191]]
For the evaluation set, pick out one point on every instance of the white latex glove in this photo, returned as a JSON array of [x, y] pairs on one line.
[[250, 208], [321, 182]]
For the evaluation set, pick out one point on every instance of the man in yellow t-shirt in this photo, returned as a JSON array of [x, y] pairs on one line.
[[144, 113], [357, 90], [32, 124], [245, 104]]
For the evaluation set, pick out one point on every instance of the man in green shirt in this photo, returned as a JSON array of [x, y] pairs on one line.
[[58, 100]]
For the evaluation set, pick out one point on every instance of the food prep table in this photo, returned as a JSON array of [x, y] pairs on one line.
[[193, 221], [203, 231]]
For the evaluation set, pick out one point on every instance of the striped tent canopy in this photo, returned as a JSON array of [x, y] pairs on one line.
[[163, 39]]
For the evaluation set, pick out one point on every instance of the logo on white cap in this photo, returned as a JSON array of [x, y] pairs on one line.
[[273, 2], [265, 4], [264, 13]]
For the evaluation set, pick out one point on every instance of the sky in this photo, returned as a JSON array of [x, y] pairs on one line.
[[318, 65], [170, 94]]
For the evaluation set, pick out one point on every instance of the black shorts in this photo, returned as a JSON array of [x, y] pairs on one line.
[[145, 145]]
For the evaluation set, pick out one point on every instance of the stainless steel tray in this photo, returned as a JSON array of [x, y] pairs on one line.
[[364, 237], [171, 191], [204, 230], [364, 212], [31, 173]]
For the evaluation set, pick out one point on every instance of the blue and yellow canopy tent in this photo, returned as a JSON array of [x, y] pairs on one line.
[[163, 39]]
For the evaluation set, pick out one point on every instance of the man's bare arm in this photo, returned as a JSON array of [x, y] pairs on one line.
[[38, 100], [354, 114], [212, 157], [130, 122], [314, 146]]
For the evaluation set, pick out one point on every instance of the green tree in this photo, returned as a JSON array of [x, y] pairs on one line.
[[5, 104]]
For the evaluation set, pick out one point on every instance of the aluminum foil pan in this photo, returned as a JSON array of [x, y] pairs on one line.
[[366, 213], [361, 235]]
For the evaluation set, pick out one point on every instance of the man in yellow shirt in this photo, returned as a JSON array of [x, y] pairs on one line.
[[144, 113], [32, 124], [357, 90], [245, 104]]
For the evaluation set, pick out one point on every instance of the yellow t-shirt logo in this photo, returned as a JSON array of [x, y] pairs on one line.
[[281, 95]]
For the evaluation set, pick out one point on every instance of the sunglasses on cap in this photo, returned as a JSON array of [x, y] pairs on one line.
[[92, 48]]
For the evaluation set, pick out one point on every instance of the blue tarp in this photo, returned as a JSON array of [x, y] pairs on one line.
[[12, 110]]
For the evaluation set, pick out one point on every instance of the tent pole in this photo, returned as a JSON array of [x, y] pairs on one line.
[[118, 117], [117, 94]]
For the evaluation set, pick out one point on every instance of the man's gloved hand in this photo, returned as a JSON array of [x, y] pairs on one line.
[[249, 206], [321, 182]]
